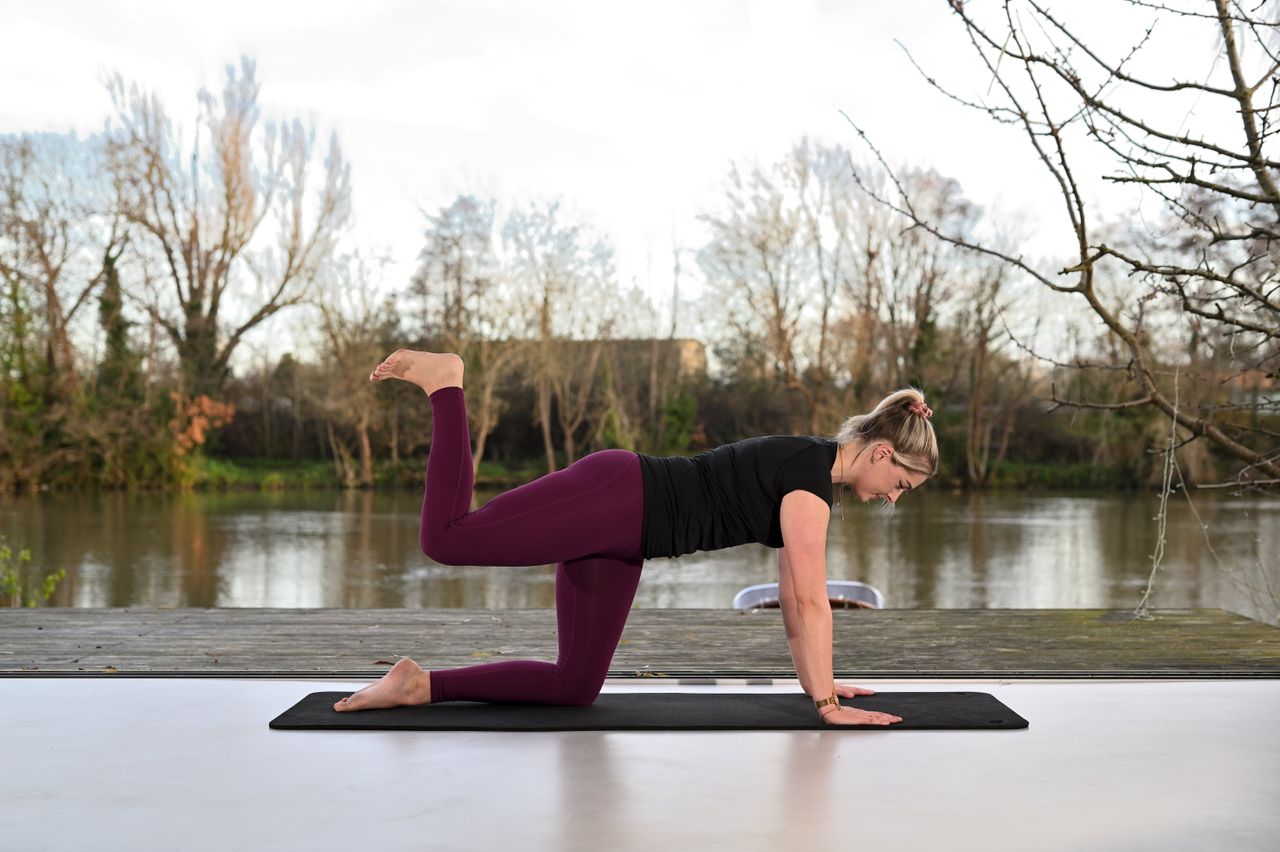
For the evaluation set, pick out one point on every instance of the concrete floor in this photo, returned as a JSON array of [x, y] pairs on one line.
[[141, 764]]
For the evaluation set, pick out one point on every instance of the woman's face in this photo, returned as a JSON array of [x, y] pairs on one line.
[[882, 479]]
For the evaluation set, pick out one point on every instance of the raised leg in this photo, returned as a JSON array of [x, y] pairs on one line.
[[594, 507], [586, 518]]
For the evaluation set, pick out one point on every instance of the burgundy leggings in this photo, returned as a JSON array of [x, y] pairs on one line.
[[586, 518]]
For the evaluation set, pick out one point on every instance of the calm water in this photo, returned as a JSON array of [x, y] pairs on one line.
[[938, 549]]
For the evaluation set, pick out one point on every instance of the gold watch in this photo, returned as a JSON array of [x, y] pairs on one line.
[[824, 702]]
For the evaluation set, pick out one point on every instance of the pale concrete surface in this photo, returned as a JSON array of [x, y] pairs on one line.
[[141, 764]]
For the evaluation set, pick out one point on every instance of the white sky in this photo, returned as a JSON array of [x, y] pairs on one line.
[[631, 112]]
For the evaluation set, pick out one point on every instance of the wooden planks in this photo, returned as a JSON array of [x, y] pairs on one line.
[[655, 643]]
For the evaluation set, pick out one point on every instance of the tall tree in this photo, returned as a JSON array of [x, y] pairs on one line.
[[992, 384], [203, 215], [916, 274], [53, 229], [567, 279], [754, 262], [1213, 176], [468, 307], [53, 226], [356, 328], [824, 191]]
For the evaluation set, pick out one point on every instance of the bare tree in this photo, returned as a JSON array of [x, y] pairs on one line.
[[356, 328], [824, 290], [1218, 181], [468, 305], [825, 193], [753, 262], [917, 275], [994, 385], [663, 367], [52, 229], [591, 313], [205, 218], [568, 281]]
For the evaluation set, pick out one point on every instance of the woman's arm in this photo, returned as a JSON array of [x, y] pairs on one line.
[[811, 650], [802, 590], [791, 621], [806, 609]]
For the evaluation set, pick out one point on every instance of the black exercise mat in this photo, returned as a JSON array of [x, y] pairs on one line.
[[660, 711]]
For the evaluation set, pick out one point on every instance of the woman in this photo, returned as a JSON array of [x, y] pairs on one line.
[[602, 516]]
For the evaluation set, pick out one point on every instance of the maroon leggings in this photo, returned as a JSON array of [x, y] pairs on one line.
[[586, 518]]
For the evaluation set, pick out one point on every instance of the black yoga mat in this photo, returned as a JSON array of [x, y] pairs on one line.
[[658, 711]]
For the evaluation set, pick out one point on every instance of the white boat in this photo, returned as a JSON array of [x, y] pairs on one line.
[[847, 594]]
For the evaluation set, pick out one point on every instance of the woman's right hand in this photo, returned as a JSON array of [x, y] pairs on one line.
[[841, 715]]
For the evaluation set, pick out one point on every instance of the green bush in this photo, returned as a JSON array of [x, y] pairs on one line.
[[273, 481], [1072, 475], [11, 585]]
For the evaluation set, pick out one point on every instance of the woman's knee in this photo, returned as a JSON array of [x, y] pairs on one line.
[[579, 690], [440, 546]]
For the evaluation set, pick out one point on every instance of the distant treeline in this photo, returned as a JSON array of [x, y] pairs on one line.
[[137, 262]]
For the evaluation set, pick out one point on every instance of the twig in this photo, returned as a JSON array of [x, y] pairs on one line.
[[1162, 516], [1239, 484]]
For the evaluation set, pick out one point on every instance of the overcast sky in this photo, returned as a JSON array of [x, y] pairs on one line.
[[630, 111]]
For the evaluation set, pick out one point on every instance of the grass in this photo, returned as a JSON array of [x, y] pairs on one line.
[[1074, 476], [208, 474]]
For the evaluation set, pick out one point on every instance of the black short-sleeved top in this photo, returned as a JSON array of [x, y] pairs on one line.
[[730, 495]]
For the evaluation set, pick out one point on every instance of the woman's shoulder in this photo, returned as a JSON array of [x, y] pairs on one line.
[[785, 445], [792, 444], [783, 450], [799, 441]]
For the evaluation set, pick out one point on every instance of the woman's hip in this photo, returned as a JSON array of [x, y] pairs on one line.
[[593, 507]]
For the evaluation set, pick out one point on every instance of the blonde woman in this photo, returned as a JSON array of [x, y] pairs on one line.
[[603, 515]]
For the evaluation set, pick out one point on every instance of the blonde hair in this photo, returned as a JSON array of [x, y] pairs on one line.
[[894, 421]]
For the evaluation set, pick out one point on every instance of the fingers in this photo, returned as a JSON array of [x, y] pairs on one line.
[[851, 716], [845, 690]]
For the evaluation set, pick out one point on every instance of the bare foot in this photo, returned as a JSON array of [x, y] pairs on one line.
[[404, 685], [428, 370]]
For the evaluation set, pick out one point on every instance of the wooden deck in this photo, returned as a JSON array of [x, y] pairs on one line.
[[683, 643]]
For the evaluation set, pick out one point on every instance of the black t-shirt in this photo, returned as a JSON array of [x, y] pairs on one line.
[[730, 495]]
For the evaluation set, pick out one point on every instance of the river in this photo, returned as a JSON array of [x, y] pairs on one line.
[[935, 550]]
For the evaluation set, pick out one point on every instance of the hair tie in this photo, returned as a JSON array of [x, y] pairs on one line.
[[920, 408]]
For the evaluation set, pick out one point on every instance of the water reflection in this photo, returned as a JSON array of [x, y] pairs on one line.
[[360, 550]]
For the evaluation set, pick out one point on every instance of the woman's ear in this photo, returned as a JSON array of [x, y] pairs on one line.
[[881, 452]]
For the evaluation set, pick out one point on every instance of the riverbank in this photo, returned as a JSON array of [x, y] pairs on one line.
[[286, 475]]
